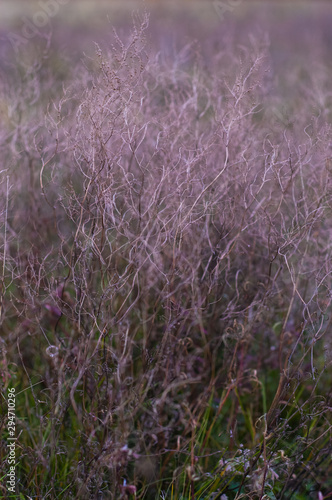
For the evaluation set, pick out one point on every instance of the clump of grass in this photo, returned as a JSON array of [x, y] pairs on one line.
[[165, 281]]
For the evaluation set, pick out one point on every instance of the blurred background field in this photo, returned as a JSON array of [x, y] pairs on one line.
[[290, 25]]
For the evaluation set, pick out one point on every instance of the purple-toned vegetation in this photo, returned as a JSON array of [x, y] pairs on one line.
[[166, 268]]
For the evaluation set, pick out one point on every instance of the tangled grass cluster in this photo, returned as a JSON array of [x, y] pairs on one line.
[[166, 273]]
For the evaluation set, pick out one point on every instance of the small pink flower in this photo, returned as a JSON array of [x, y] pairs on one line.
[[128, 488], [53, 309]]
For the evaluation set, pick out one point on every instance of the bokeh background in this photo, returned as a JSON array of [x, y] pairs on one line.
[[293, 28]]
